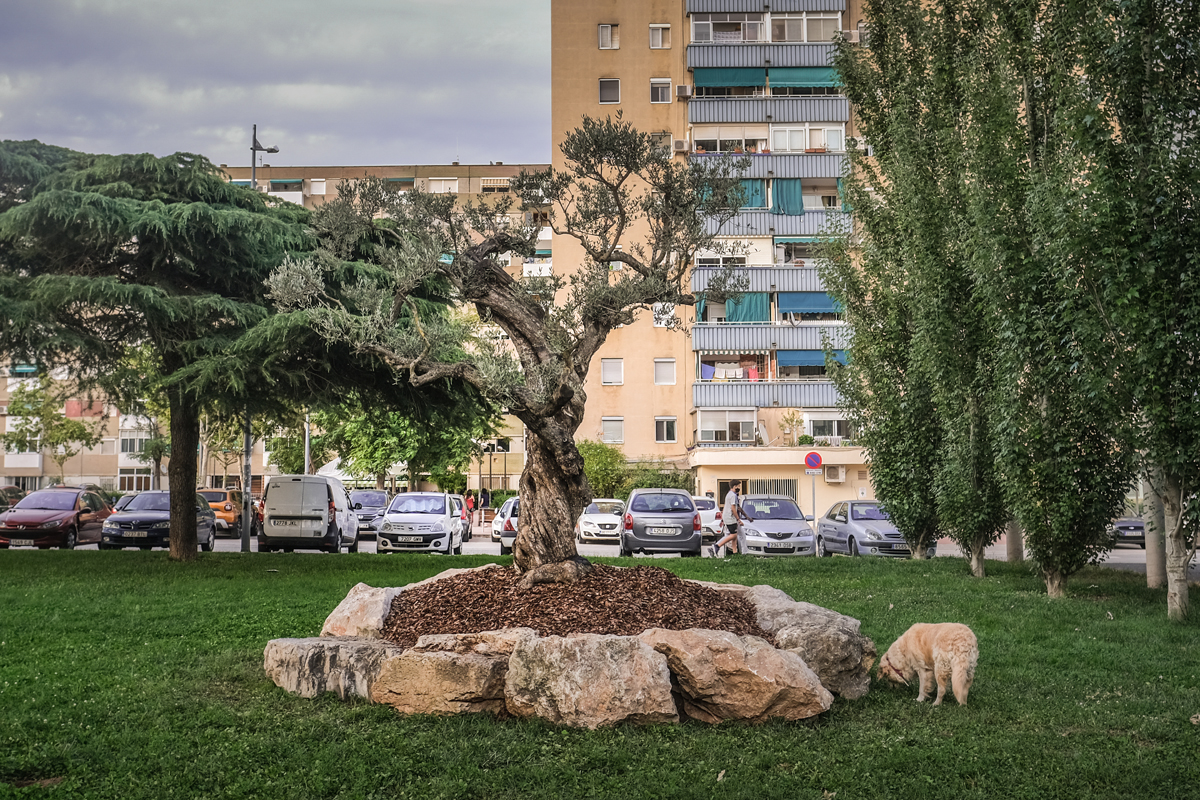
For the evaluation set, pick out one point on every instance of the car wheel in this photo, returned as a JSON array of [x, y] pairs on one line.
[[625, 552], [853, 547], [505, 551], [70, 540], [690, 554], [353, 548], [822, 551], [458, 550], [207, 545]]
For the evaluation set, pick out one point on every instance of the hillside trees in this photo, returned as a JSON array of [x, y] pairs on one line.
[[639, 217]]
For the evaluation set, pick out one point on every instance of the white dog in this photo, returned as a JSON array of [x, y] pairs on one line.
[[945, 652]]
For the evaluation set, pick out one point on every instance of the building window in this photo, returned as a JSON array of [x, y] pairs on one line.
[[664, 372], [664, 429], [662, 139], [730, 138], [664, 315], [133, 442], [133, 480], [818, 136], [808, 27], [612, 371], [609, 37], [442, 185], [830, 427], [660, 90], [493, 185], [610, 90], [727, 426], [612, 430], [660, 37], [725, 28]]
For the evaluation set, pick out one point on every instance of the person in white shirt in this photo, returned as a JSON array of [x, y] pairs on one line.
[[731, 515]]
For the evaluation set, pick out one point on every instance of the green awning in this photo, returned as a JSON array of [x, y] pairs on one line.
[[730, 76], [801, 76], [287, 180], [400, 180], [241, 183], [807, 358], [797, 239], [807, 303]]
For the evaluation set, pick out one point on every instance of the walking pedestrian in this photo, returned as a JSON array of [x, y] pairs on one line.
[[731, 515], [484, 500]]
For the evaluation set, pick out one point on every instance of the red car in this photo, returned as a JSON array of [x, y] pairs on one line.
[[62, 516]]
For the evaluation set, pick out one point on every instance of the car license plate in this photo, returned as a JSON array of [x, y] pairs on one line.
[[901, 547], [662, 531], [285, 523], [410, 538], [21, 542], [134, 534], [780, 548]]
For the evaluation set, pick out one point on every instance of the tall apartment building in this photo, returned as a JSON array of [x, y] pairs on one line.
[[714, 77]]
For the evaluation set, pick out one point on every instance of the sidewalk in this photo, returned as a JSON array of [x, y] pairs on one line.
[[1132, 559]]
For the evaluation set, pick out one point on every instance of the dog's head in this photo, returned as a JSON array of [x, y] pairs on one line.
[[889, 669]]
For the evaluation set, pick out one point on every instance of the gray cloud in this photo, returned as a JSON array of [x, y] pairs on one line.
[[348, 82]]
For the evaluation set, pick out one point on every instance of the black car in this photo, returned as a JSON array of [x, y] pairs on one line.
[[145, 522], [1128, 530]]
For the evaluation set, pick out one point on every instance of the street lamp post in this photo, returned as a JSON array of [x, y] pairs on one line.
[[248, 438]]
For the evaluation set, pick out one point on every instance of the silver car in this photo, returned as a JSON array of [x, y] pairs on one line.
[[600, 522], [860, 528], [426, 522], [774, 526], [711, 524], [661, 521]]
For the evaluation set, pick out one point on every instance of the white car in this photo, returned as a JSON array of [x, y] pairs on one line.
[[504, 525], [421, 522], [712, 526], [600, 522], [307, 512]]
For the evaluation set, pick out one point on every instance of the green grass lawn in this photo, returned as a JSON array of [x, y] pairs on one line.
[[123, 675]]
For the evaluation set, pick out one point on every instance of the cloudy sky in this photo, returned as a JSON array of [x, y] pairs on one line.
[[336, 82]]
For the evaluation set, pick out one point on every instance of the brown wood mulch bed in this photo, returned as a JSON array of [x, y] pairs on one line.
[[609, 600]]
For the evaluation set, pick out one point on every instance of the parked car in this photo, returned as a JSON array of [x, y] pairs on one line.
[[600, 522], [712, 526], [421, 522], [506, 524], [307, 512], [369, 505], [860, 528], [460, 503], [774, 526], [227, 505], [123, 501], [62, 516], [661, 521], [1128, 530], [9, 495], [145, 522]]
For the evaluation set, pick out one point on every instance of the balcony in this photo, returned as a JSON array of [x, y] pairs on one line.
[[756, 223], [23, 461], [537, 268], [763, 336], [777, 278], [732, 110], [765, 394], [790, 165], [758, 54]]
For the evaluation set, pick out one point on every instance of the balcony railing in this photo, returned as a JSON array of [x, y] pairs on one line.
[[751, 336], [774, 278], [765, 394]]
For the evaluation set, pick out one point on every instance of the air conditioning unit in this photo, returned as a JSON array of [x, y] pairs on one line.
[[3, 411], [680, 145], [850, 36], [835, 474], [683, 90]]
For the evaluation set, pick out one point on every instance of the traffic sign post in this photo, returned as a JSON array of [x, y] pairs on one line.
[[812, 462]]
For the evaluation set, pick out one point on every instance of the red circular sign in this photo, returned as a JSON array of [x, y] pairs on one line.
[[812, 460]]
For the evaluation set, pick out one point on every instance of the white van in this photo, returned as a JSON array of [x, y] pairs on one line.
[[307, 512]]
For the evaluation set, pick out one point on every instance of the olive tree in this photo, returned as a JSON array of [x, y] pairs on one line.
[[621, 197]]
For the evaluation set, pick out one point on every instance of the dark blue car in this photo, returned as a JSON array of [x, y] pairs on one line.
[[146, 522]]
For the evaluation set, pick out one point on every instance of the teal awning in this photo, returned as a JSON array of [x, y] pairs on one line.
[[802, 76], [807, 303], [543, 253], [730, 76], [400, 180], [240, 183], [287, 180], [756, 192], [797, 239], [750, 307], [23, 369], [807, 358]]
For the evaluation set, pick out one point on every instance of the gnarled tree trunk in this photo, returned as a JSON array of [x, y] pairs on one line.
[[181, 475], [554, 491]]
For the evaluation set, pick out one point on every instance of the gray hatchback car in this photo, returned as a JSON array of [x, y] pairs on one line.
[[660, 521], [860, 528]]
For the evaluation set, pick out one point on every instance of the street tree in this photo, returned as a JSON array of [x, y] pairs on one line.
[[40, 425], [639, 217], [604, 465]]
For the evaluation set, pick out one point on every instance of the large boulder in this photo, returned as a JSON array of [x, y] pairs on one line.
[[725, 676], [450, 673], [829, 642], [365, 608], [589, 680], [343, 665]]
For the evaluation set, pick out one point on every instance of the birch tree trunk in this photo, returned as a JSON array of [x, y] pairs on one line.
[[1155, 526]]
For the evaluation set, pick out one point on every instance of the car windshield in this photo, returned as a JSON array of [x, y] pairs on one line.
[[150, 501], [49, 501], [516, 509], [369, 499], [663, 504], [418, 505], [605, 507], [868, 511], [214, 497], [704, 504], [123, 501], [771, 509]]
